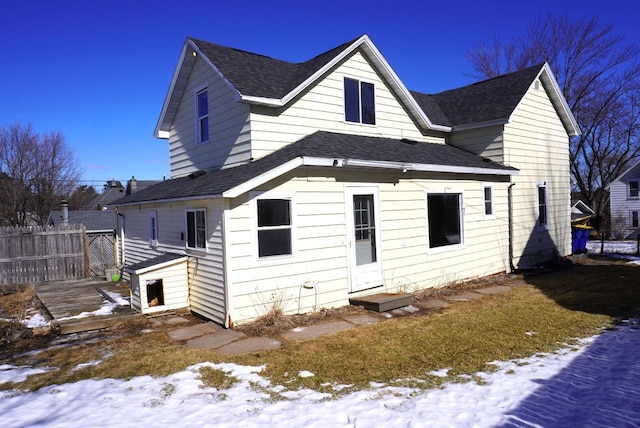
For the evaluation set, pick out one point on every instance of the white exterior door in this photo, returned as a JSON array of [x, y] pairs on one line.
[[363, 237]]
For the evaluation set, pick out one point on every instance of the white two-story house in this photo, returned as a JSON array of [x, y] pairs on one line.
[[309, 184], [624, 202]]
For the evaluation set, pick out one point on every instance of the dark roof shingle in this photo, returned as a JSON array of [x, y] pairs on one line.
[[319, 144], [486, 101]]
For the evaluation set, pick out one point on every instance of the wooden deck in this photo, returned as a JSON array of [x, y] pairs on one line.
[[382, 302], [64, 299]]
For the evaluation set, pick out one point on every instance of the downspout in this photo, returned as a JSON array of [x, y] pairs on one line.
[[122, 236], [510, 206]]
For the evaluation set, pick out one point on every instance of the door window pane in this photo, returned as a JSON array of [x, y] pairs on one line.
[[364, 228]]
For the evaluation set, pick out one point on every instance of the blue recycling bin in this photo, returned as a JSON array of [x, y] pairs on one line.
[[579, 238]]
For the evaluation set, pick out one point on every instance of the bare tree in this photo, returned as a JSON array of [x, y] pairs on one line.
[[599, 76], [81, 197], [37, 172]]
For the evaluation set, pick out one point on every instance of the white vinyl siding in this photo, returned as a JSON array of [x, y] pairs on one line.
[[205, 271], [318, 274], [536, 143], [321, 108], [623, 204], [228, 124]]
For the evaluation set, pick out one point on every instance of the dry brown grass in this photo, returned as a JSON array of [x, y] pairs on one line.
[[464, 337]]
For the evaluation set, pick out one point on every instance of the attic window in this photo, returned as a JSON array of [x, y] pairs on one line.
[[359, 102], [202, 113]]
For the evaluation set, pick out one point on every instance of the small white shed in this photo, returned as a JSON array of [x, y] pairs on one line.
[[159, 284]]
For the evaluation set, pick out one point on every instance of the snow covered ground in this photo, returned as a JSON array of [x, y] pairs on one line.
[[616, 249], [596, 383]]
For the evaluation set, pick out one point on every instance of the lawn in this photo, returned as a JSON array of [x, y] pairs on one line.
[[543, 313]]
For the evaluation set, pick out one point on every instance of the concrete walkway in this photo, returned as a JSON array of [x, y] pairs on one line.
[[214, 337]]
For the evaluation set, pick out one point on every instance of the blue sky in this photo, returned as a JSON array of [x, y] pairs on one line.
[[98, 70]]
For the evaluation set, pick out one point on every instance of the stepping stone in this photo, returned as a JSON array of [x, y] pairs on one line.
[[494, 289], [432, 303], [464, 296], [251, 344], [215, 340], [317, 330], [192, 331], [362, 319]]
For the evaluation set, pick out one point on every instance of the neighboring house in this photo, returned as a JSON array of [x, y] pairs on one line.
[[306, 185], [624, 202]]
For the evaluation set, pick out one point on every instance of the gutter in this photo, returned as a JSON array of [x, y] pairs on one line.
[[510, 220]]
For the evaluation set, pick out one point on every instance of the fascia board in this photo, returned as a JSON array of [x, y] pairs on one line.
[[167, 98], [463, 170], [262, 178], [627, 171], [222, 77], [558, 97]]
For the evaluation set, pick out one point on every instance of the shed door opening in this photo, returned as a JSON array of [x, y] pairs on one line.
[[155, 294]]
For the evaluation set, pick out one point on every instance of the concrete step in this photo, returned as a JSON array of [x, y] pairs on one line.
[[382, 302]]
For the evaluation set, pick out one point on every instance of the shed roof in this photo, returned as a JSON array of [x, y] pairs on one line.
[[155, 263]]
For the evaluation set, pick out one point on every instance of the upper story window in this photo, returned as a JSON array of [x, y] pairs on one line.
[[633, 189], [202, 116], [543, 220], [196, 229], [359, 102], [444, 219]]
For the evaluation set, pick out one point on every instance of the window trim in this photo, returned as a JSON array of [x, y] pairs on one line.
[[360, 83], [186, 224], [545, 225], [461, 205], [637, 189], [153, 228], [492, 215], [198, 118], [254, 198]]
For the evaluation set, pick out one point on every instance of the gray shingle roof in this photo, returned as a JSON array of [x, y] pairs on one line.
[[91, 219], [485, 101], [320, 144], [259, 75]]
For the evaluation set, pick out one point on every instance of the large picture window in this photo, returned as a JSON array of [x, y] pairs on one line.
[[274, 227], [202, 106], [444, 218], [359, 102], [196, 229]]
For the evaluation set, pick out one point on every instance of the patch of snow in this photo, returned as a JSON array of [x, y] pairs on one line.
[[530, 333], [592, 383], [305, 373], [297, 329], [10, 373], [35, 320], [441, 372], [117, 297]]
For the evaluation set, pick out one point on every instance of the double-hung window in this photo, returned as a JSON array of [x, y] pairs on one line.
[[153, 228], [487, 195], [359, 102], [635, 220], [543, 220], [202, 116], [196, 229], [274, 226], [444, 219], [633, 189]]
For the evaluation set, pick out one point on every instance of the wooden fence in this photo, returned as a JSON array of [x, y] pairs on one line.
[[34, 254]]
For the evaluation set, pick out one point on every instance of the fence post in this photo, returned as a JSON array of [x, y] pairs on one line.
[[601, 243], [638, 245]]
